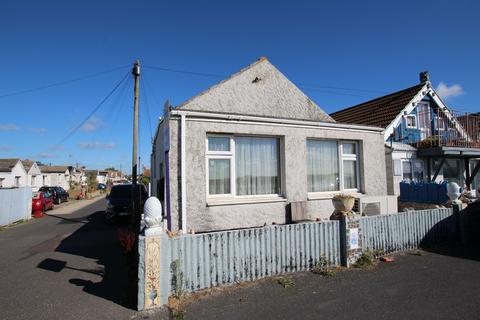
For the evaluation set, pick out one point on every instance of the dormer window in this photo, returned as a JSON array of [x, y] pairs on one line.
[[411, 121]]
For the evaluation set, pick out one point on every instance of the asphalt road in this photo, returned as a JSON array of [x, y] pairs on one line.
[[65, 266], [441, 284], [69, 265]]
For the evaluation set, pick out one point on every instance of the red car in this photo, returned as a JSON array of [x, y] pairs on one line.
[[41, 202]]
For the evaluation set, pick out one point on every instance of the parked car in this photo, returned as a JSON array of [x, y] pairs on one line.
[[59, 194], [119, 202], [101, 186], [42, 201]]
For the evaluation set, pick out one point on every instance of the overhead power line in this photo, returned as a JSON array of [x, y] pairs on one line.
[[340, 88], [201, 74], [61, 83], [93, 111], [306, 85]]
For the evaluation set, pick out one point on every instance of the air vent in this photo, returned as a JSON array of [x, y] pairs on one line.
[[371, 208]]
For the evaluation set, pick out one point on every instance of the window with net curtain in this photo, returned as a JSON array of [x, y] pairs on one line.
[[330, 168], [257, 165], [323, 169]]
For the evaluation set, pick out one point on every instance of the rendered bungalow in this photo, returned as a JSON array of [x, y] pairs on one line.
[[425, 140], [254, 150], [56, 176], [34, 175], [12, 173]]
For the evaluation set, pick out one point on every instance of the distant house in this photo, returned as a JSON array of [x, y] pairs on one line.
[[12, 173], [425, 140], [255, 150], [77, 175], [34, 175], [56, 176]]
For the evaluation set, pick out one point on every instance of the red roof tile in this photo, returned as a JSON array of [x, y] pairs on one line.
[[379, 112]]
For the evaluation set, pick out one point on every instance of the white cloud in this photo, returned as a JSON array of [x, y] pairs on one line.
[[92, 124], [5, 148], [45, 155], [96, 145], [8, 127], [446, 92], [38, 130], [56, 148]]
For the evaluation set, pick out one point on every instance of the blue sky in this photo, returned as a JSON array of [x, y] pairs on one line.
[[369, 46]]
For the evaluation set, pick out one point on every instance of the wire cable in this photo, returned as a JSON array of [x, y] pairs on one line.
[[201, 74], [145, 98], [93, 111], [60, 83]]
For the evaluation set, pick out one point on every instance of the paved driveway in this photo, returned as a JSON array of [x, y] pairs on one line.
[[64, 266], [441, 284]]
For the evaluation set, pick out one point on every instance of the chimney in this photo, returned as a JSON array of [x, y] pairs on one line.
[[424, 77]]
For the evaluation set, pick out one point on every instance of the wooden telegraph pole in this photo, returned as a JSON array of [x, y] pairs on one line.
[[136, 202]]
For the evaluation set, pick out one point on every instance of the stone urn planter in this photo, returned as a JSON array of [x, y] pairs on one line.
[[343, 204]]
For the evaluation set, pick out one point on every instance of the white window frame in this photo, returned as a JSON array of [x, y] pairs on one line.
[[351, 157], [415, 124], [230, 155], [341, 157]]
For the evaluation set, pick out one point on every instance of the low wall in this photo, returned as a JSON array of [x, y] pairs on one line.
[[15, 204]]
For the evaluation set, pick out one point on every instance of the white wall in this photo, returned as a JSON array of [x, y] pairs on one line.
[[9, 177]]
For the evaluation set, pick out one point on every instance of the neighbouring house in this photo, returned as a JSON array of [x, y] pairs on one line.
[[77, 175], [425, 140], [34, 175], [56, 176], [254, 150], [12, 173], [107, 176]]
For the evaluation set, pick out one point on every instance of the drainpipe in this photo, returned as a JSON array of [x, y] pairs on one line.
[[182, 173]]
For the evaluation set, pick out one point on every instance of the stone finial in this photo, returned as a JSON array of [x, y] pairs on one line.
[[453, 191], [152, 213]]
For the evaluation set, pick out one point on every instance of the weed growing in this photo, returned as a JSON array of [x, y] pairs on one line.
[[286, 282]]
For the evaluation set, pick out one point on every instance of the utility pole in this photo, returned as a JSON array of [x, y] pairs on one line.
[[136, 76]]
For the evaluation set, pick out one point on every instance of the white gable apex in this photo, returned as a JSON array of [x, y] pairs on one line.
[[259, 90]]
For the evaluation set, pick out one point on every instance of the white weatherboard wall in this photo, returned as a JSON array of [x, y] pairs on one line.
[[15, 204]]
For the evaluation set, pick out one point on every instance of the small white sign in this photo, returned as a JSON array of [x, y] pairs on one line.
[[354, 238]]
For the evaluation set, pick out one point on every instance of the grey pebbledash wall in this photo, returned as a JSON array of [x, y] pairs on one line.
[[201, 217]]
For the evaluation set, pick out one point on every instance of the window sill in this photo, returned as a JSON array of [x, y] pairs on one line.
[[330, 195], [247, 200]]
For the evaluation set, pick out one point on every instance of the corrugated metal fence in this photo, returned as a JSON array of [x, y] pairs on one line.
[[208, 260], [406, 230], [15, 204]]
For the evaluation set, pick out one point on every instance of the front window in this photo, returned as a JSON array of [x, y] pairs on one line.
[[332, 165], [407, 170], [243, 165]]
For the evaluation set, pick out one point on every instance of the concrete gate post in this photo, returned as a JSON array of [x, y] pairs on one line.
[[350, 240], [154, 259]]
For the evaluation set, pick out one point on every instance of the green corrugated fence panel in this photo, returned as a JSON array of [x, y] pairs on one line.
[[212, 259], [406, 230]]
